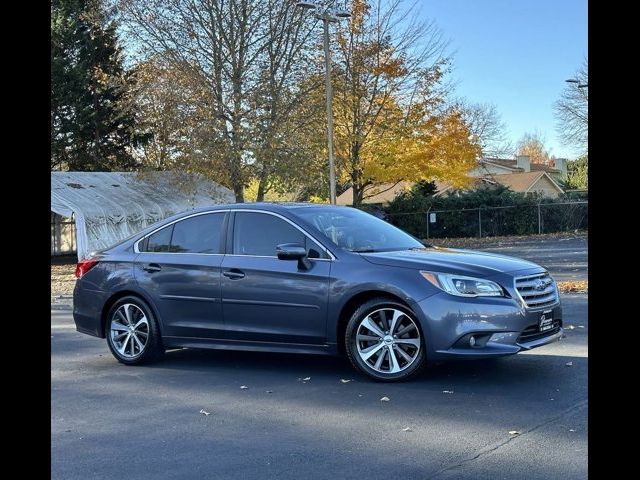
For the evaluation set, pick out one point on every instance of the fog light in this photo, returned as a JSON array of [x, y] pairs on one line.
[[472, 341]]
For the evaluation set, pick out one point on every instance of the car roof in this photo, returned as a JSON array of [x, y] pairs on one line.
[[267, 206]]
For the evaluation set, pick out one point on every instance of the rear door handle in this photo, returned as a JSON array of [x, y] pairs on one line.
[[233, 274], [152, 267]]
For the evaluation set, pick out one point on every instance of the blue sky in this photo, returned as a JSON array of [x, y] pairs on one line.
[[515, 54]]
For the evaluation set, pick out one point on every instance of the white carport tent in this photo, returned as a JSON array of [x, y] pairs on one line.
[[111, 206]]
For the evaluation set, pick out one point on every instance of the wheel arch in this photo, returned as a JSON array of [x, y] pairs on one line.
[[352, 304], [126, 293]]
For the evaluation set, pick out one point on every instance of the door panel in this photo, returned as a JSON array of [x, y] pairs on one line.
[[186, 292], [274, 301], [179, 267]]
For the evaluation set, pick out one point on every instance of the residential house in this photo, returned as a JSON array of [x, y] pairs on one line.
[[519, 174]]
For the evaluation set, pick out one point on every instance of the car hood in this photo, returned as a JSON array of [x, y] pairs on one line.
[[449, 260]]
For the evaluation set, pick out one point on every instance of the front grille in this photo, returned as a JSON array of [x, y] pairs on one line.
[[533, 332], [537, 291]]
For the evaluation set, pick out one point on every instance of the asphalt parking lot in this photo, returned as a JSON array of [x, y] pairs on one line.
[[109, 420], [566, 258]]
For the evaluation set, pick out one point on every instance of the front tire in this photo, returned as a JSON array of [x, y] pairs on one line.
[[384, 341], [132, 332]]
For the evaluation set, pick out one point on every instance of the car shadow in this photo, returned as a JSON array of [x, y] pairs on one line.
[[510, 370]]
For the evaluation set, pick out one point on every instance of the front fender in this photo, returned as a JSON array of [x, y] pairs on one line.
[[349, 279]]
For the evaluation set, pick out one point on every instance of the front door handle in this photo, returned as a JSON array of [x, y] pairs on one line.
[[233, 274], [152, 267]]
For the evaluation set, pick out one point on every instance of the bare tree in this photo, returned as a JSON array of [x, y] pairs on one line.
[[286, 63], [572, 111], [220, 42], [251, 56], [168, 112], [487, 126]]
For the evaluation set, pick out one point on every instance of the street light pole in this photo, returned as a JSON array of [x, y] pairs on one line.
[[326, 17], [329, 94]]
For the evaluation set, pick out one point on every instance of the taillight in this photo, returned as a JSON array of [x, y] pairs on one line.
[[84, 266]]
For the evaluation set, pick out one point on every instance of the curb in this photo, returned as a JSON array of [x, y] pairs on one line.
[[61, 306]]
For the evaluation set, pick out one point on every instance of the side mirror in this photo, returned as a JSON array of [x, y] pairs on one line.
[[294, 251]]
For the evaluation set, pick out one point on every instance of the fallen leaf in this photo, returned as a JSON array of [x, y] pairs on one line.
[[407, 429], [385, 399], [343, 380], [204, 412], [243, 387], [306, 379], [269, 391], [578, 286], [359, 395], [514, 432], [447, 391], [569, 364]]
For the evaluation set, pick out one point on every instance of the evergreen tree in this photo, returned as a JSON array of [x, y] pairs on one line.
[[92, 118]]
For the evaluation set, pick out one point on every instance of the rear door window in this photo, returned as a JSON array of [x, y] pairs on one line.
[[199, 234]]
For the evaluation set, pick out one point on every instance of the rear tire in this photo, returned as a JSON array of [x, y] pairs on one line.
[[383, 340], [132, 332]]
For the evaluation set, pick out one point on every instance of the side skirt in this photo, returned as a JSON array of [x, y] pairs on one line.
[[244, 345]]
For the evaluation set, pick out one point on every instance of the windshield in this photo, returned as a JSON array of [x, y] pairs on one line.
[[357, 231]]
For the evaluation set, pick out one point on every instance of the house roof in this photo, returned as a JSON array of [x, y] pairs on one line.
[[539, 167], [502, 162], [513, 165], [518, 181], [524, 181], [384, 193]]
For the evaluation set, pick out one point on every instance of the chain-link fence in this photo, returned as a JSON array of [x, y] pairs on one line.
[[494, 221]]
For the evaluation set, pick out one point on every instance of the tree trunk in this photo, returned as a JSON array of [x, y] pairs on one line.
[[358, 193], [239, 191], [356, 175], [236, 177], [262, 186]]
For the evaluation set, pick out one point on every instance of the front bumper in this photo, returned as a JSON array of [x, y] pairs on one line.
[[500, 326]]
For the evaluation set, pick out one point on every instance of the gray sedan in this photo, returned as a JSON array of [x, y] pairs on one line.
[[308, 278]]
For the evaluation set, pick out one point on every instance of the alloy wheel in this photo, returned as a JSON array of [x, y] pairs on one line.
[[388, 340], [129, 330]]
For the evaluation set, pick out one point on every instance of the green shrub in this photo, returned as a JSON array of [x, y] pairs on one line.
[[502, 212]]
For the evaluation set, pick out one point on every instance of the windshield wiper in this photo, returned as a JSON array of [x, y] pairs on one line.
[[363, 250]]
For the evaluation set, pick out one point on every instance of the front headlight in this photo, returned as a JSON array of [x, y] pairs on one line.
[[464, 286]]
